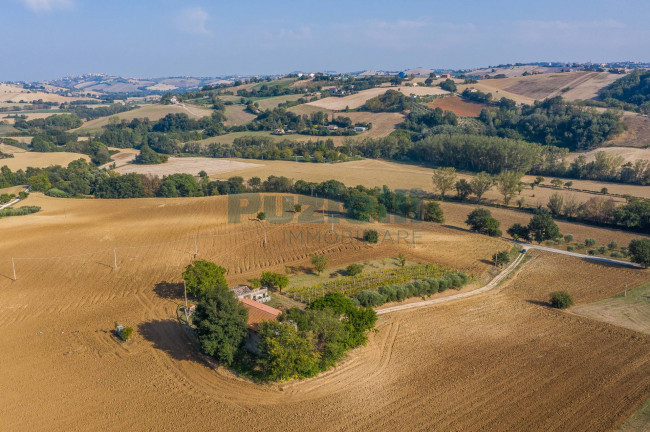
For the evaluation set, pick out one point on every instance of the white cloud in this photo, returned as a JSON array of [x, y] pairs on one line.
[[193, 21], [46, 5]]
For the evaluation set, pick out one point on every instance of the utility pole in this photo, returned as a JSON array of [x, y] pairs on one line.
[[624, 295], [264, 226], [115, 258], [196, 245], [13, 265], [187, 318]]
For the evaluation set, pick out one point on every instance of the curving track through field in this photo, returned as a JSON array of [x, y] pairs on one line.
[[486, 362]]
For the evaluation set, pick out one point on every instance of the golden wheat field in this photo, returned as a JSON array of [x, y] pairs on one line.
[[360, 98], [187, 165], [570, 85], [16, 94], [23, 159], [153, 112], [629, 154], [375, 172], [637, 133], [496, 361]]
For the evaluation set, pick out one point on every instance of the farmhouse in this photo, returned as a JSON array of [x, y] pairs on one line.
[[260, 295], [445, 75], [257, 313]]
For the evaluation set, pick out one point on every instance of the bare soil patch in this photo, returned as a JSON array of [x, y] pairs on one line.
[[458, 106]]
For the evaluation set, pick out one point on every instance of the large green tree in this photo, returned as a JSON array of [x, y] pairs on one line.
[[274, 280], [640, 251], [481, 183], [443, 179], [481, 221], [284, 353], [202, 277], [542, 227], [433, 212], [507, 183], [221, 323]]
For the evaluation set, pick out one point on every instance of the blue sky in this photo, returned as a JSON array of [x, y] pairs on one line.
[[148, 38]]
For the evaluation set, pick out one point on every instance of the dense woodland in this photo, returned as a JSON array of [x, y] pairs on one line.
[[631, 92]]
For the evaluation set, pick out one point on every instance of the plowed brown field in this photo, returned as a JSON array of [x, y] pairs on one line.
[[458, 106], [498, 361]]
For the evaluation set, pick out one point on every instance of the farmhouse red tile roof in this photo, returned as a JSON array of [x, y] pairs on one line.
[[258, 312]]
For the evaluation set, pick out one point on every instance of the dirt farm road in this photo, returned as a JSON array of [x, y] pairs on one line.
[[490, 285], [578, 255], [495, 282]]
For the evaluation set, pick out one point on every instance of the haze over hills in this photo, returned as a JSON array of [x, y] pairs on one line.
[[98, 83], [384, 217]]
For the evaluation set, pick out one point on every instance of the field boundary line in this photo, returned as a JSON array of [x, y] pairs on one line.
[[489, 286], [577, 255]]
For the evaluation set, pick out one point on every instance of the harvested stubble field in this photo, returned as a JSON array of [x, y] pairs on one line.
[[358, 99], [13, 93], [153, 112], [374, 172], [382, 123], [629, 154], [229, 138], [273, 102], [125, 156], [30, 115], [637, 133], [497, 361], [188, 165], [23, 159], [581, 85], [237, 115]]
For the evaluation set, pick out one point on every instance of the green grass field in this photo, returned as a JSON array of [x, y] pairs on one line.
[[282, 83], [307, 277], [631, 310], [639, 421]]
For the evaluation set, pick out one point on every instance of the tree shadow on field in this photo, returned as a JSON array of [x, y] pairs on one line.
[[299, 269], [486, 261], [457, 228], [170, 337], [540, 303], [169, 290]]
